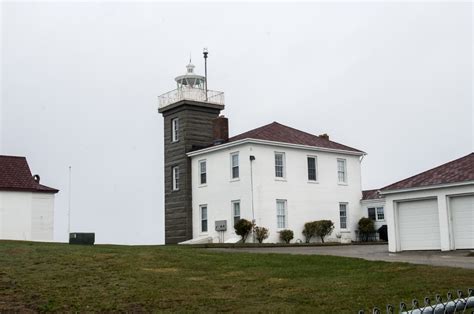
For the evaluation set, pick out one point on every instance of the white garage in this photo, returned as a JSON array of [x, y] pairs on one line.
[[419, 225], [433, 210], [462, 221]]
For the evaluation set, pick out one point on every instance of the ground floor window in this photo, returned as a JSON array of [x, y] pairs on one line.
[[343, 215], [281, 213], [236, 211], [203, 211], [376, 213]]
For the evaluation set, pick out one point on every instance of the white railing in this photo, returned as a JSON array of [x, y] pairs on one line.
[[196, 94]]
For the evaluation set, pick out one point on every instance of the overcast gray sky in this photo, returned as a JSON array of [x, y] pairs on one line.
[[80, 83]]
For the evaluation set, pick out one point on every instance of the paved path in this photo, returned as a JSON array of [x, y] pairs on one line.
[[373, 253]]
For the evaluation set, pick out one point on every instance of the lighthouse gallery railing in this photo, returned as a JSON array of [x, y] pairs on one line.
[[195, 94]]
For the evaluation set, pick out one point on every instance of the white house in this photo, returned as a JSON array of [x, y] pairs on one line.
[[433, 210], [26, 207], [279, 177], [275, 175]]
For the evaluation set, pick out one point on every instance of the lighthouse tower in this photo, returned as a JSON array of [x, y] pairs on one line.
[[190, 112]]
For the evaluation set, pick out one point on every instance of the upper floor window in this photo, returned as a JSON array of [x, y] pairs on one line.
[[174, 130], [236, 211], [343, 215], [202, 172], [376, 213], [312, 169], [281, 214], [175, 177], [341, 171], [280, 165], [234, 160], [203, 210]]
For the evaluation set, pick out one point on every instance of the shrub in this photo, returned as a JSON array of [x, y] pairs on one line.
[[366, 227], [309, 230], [243, 227], [323, 228], [261, 233], [286, 235]]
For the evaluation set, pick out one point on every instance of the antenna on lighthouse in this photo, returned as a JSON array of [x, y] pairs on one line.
[[205, 68]]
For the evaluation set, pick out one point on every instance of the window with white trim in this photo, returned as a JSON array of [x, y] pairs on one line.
[[376, 213], [203, 211], [235, 211], [174, 129], [234, 163], [380, 214], [281, 213], [343, 215], [175, 177], [341, 171], [312, 168], [202, 172], [279, 165]]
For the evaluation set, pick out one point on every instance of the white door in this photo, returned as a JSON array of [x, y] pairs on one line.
[[462, 213], [418, 225], [42, 217]]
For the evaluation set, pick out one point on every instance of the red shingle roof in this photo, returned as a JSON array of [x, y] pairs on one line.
[[277, 132], [371, 194], [459, 170], [15, 175]]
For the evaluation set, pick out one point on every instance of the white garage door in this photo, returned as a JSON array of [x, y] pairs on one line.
[[418, 225], [462, 212]]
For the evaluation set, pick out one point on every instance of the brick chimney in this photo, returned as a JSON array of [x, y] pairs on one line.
[[324, 136], [220, 130]]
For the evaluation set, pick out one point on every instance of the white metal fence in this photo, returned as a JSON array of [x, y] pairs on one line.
[[462, 304]]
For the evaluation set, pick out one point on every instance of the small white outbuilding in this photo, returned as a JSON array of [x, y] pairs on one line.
[[26, 206], [433, 210]]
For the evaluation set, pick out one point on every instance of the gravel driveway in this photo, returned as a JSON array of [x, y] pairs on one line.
[[373, 253]]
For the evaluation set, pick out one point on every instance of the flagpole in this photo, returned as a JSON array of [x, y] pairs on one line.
[[69, 206]]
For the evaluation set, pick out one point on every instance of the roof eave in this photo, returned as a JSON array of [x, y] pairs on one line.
[[272, 143], [427, 187], [373, 200], [52, 191]]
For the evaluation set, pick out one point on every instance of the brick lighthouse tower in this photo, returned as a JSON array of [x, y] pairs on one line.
[[189, 114]]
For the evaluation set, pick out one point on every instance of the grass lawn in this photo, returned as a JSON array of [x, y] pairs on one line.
[[62, 277]]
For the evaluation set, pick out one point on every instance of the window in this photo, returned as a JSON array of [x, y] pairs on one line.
[[202, 172], [343, 215], [203, 210], [341, 171], [371, 213], [236, 211], [174, 130], [376, 213], [311, 168], [175, 175], [281, 213], [235, 165], [380, 213], [280, 165]]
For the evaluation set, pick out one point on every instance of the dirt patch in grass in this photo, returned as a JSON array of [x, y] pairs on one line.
[[161, 270], [17, 250], [196, 278]]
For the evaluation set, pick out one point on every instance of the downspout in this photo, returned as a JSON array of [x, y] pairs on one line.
[[252, 158]]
